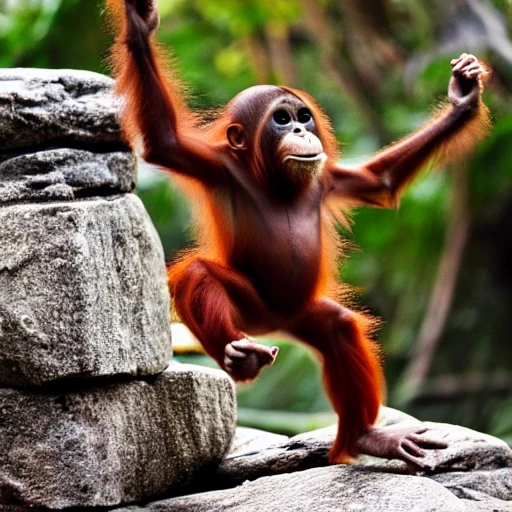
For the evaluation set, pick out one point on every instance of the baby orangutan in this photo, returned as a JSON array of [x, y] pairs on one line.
[[267, 188]]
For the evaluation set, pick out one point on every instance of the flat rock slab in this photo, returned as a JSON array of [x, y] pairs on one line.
[[116, 443], [251, 440], [44, 108], [83, 292], [467, 450], [370, 485], [329, 489], [65, 174], [483, 491]]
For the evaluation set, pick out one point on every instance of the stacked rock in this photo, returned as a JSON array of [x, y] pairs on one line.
[[90, 412]]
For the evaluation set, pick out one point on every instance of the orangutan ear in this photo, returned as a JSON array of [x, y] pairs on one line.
[[235, 134]]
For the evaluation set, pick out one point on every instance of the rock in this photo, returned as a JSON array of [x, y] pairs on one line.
[[43, 108], [304, 451], [370, 484], [65, 174], [120, 442], [482, 490], [83, 292], [335, 488], [251, 440], [467, 449]]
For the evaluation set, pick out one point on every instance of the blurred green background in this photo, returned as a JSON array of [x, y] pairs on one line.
[[438, 270]]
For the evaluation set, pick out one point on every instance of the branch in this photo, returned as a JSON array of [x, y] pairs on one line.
[[278, 40], [345, 77], [452, 387], [442, 295]]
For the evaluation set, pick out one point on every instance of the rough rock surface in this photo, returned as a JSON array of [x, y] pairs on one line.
[[253, 479], [467, 450], [482, 490], [56, 108], [251, 440], [116, 443], [83, 291], [65, 174], [336, 488]]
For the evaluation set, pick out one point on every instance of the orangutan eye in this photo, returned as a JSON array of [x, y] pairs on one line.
[[281, 117], [304, 116]]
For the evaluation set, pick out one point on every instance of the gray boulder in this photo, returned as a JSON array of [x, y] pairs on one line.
[[481, 490], [118, 443], [83, 292], [336, 488], [467, 450], [65, 174], [44, 108], [254, 479]]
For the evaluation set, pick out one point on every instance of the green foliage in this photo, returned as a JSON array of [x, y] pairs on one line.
[[168, 210], [502, 421], [243, 18], [221, 68], [23, 25], [43, 33], [492, 183]]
